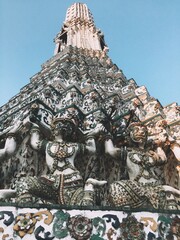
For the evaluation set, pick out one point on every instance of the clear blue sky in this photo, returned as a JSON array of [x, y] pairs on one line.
[[143, 37]]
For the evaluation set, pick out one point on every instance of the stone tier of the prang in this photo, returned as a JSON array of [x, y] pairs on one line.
[[81, 78], [90, 82]]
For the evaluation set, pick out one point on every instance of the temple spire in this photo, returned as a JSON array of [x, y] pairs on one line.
[[79, 30]]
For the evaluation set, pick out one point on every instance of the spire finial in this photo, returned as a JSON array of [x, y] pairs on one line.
[[79, 11], [79, 30]]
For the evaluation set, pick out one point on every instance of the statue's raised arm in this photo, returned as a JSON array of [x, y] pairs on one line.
[[146, 184], [63, 181], [11, 142]]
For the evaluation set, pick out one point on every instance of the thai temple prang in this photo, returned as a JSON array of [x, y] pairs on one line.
[[85, 152]]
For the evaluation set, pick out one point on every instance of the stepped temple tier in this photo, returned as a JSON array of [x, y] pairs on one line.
[[85, 152]]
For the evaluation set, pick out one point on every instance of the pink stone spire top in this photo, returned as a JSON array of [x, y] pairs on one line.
[[79, 30], [79, 11]]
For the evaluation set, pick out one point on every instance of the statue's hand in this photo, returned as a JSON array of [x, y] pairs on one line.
[[154, 155], [95, 182]]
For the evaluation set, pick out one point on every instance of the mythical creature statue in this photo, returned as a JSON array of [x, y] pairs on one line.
[[63, 184], [160, 134], [9, 150], [145, 184]]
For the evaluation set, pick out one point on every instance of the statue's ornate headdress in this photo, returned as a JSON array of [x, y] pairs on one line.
[[66, 115], [136, 124]]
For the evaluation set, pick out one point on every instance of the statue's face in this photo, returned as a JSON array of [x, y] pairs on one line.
[[63, 128], [139, 134]]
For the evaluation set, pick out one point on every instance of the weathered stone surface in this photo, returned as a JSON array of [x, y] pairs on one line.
[[82, 77]]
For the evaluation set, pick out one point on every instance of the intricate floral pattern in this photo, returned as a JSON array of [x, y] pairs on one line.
[[25, 224], [85, 224], [132, 229], [80, 227]]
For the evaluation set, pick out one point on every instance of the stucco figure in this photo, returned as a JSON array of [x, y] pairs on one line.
[[160, 135], [145, 185], [9, 150], [63, 184]]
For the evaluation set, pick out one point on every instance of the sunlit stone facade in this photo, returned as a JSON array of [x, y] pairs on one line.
[[85, 152]]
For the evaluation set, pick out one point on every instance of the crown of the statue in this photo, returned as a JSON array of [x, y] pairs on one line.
[[67, 114], [136, 124]]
